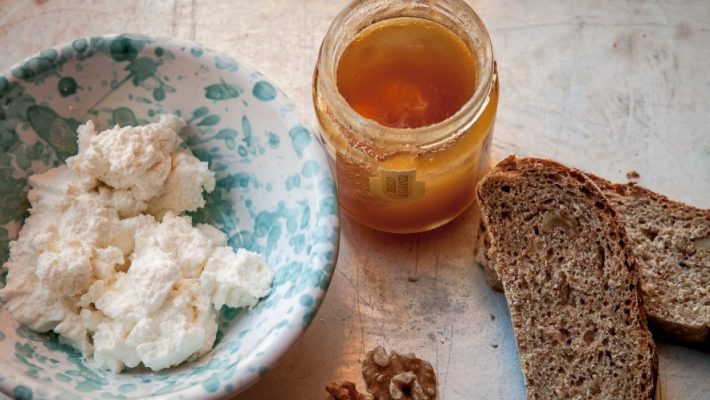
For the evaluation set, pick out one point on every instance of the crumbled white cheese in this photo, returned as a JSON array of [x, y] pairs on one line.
[[51, 262], [123, 201], [178, 192], [189, 247], [133, 158], [235, 280], [117, 283], [142, 290], [186, 325]]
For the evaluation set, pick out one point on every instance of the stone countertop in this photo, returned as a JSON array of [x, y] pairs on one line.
[[607, 86]]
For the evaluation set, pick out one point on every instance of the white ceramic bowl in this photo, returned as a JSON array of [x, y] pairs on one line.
[[274, 195]]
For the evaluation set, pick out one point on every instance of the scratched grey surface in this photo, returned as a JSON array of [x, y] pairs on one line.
[[608, 86]]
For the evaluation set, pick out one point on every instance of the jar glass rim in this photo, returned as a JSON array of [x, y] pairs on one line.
[[450, 13]]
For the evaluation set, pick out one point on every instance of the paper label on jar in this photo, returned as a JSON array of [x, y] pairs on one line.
[[397, 185]]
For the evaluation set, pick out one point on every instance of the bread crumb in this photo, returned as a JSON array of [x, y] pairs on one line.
[[633, 175]]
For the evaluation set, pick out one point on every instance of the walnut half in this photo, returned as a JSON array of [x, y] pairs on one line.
[[345, 391], [398, 377]]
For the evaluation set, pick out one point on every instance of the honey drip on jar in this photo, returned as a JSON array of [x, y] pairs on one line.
[[406, 73]]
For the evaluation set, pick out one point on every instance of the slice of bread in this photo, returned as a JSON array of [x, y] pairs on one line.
[[671, 242], [571, 283]]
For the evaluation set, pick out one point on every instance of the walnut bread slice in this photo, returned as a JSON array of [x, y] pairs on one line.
[[570, 281], [671, 242]]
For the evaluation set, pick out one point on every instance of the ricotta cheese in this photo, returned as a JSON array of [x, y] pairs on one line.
[[235, 280], [135, 159], [106, 260], [178, 194]]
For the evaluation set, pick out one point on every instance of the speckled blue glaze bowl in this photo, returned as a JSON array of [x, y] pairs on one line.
[[274, 195]]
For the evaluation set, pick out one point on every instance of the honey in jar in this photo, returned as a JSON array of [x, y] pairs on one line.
[[406, 73], [406, 106]]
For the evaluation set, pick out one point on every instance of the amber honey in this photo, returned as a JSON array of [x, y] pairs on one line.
[[406, 73], [406, 108], [450, 177]]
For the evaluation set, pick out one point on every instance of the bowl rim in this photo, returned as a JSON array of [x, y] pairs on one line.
[[286, 111]]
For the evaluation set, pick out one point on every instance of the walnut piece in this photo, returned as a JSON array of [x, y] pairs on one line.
[[345, 391], [702, 244], [554, 219], [405, 386], [379, 356], [398, 377]]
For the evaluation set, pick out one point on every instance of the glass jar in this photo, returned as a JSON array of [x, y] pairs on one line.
[[406, 180]]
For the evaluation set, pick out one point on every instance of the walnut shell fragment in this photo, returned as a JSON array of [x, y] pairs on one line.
[[345, 391], [398, 377]]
